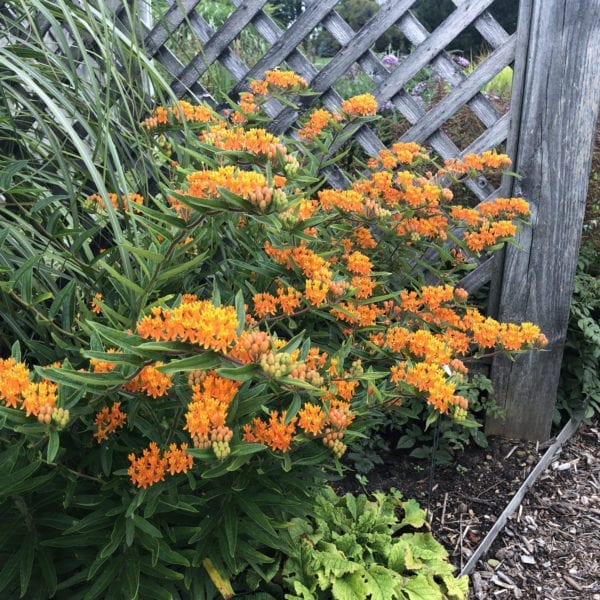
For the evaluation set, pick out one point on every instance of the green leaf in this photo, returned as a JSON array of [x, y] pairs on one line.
[[48, 571], [9, 570], [200, 362], [53, 445], [116, 539], [230, 524], [146, 526], [103, 580], [126, 282], [245, 373], [457, 588], [179, 270], [26, 556], [130, 575]]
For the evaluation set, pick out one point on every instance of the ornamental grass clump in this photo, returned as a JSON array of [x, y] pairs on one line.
[[266, 319]]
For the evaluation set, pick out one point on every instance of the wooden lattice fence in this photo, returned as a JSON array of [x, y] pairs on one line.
[[548, 129]]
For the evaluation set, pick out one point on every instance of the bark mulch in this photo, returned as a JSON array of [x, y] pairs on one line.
[[550, 547]]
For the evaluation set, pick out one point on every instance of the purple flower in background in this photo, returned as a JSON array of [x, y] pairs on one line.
[[387, 105], [418, 88], [461, 61], [390, 60]]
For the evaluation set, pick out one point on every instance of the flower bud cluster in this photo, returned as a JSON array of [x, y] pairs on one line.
[[333, 439], [460, 409], [302, 372], [52, 414], [261, 197], [45, 414], [164, 144], [292, 166], [277, 365], [60, 416], [257, 343], [220, 438]]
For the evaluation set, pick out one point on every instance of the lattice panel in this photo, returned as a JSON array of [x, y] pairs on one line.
[[426, 124]]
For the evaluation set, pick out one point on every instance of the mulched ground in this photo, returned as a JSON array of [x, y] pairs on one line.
[[550, 547]]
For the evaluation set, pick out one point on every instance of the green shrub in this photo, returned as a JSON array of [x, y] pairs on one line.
[[245, 309]]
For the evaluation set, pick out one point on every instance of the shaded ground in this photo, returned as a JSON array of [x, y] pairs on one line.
[[550, 547]]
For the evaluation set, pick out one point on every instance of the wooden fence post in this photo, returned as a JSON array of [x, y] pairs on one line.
[[556, 101]]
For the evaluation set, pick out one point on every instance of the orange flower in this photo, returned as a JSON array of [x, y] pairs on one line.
[[150, 381], [39, 395], [96, 303], [14, 380], [178, 460], [108, 421], [200, 322], [357, 262], [149, 468], [361, 105], [288, 299], [277, 80], [276, 433], [311, 418], [264, 304], [317, 122]]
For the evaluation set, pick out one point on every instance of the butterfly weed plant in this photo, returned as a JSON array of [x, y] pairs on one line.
[[248, 324]]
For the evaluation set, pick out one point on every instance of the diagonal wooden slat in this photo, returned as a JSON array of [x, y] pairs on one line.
[[218, 44], [425, 52], [462, 93]]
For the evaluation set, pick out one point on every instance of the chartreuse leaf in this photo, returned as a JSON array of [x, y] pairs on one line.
[[420, 588], [414, 515], [351, 587], [221, 583], [382, 582], [457, 588]]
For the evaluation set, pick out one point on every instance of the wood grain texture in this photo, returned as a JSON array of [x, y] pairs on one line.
[[560, 99]]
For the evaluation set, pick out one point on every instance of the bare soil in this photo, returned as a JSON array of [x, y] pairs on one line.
[[550, 547]]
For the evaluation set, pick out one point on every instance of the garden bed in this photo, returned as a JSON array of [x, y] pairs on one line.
[[549, 548]]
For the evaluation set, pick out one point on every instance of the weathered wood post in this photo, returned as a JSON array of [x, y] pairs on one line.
[[555, 103]]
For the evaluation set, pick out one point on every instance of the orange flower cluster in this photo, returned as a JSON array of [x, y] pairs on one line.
[[476, 162], [108, 420], [207, 412], [362, 105], [276, 433], [198, 322], [489, 234], [205, 184], [254, 141], [122, 202], [18, 391], [152, 466], [318, 120], [401, 153], [276, 80], [96, 303], [429, 378], [181, 111], [359, 263], [150, 381]]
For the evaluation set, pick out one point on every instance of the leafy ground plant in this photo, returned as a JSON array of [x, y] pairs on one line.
[[370, 549], [246, 326]]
